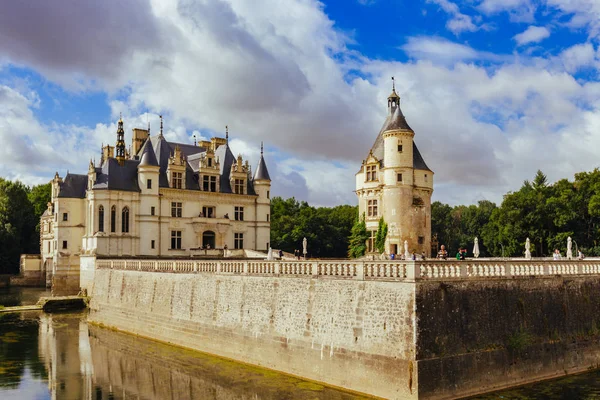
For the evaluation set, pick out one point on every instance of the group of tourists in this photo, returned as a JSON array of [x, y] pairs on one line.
[[461, 254]]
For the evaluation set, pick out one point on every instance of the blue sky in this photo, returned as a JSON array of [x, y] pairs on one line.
[[494, 89]]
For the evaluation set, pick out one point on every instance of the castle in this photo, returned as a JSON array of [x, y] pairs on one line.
[[395, 184], [160, 200]]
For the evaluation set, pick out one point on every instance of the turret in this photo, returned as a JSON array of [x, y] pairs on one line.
[[262, 187], [120, 146], [148, 169]]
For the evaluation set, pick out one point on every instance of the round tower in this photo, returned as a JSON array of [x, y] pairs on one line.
[[262, 188]]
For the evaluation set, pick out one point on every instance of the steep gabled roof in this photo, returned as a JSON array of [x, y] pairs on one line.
[[73, 186], [226, 160]]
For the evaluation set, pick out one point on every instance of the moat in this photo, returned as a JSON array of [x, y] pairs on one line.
[[44, 356]]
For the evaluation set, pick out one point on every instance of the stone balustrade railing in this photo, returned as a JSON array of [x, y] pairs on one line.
[[366, 270]]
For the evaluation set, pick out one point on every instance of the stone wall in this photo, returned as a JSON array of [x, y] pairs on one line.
[[402, 329], [346, 333], [490, 334]]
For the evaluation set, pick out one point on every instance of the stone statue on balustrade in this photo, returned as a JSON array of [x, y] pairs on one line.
[[569, 248], [476, 248], [527, 249], [406, 252], [304, 245]]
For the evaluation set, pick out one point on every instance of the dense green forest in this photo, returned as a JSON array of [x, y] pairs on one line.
[[21, 207], [326, 229]]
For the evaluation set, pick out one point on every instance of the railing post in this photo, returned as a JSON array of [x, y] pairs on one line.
[[245, 267], [277, 267], [139, 265], [111, 264], [174, 266], [195, 266], [360, 270], [412, 270], [546, 268], [463, 270], [507, 269], [218, 267]]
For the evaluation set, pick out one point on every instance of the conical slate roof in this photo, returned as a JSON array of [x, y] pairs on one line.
[[262, 172], [148, 155], [396, 121]]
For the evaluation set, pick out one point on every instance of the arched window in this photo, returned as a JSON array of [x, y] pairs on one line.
[[125, 220], [113, 219], [101, 219]]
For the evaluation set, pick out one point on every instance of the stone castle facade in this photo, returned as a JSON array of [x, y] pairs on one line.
[[395, 183], [162, 200]]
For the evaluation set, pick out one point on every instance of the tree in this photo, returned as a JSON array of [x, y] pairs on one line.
[[357, 242], [382, 231]]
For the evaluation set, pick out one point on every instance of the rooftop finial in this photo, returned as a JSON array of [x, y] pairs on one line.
[[161, 125], [120, 117], [194, 139], [261, 148], [227, 133], [393, 84]]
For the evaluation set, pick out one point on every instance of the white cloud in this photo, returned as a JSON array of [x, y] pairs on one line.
[[458, 22], [519, 10], [578, 57], [533, 34], [444, 51], [285, 76], [583, 13]]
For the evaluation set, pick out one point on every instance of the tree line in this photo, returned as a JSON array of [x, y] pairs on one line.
[[545, 213], [21, 207]]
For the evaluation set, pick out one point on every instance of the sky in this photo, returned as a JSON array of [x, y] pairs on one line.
[[494, 89]]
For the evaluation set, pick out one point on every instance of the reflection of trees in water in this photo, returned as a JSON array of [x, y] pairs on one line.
[[19, 349]]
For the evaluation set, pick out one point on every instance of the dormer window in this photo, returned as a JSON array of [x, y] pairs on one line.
[[209, 183], [371, 173], [238, 187], [209, 162], [177, 180]]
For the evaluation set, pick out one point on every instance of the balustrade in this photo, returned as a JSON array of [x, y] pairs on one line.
[[366, 270]]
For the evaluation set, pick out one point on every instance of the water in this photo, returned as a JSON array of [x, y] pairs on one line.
[[60, 356]]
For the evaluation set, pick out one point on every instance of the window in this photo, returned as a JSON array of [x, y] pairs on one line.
[[400, 148], [421, 239], [267, 217], [239, 213], [152, 244], [101, 219], [65, 216], [49, 247], [64, 244], [399, 177], [152, 210], [208, 212], [371, 173], [371, 242], [425, 177], [238, 186], [148, 183], [372, 208], [176, 208], [113, 219], [209, 183], [238, 240], [125, 220], [177, 180], [209, 162], [175, 240], [268, 194]]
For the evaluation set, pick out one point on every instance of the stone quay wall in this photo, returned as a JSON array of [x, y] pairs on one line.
[[394, 329]]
